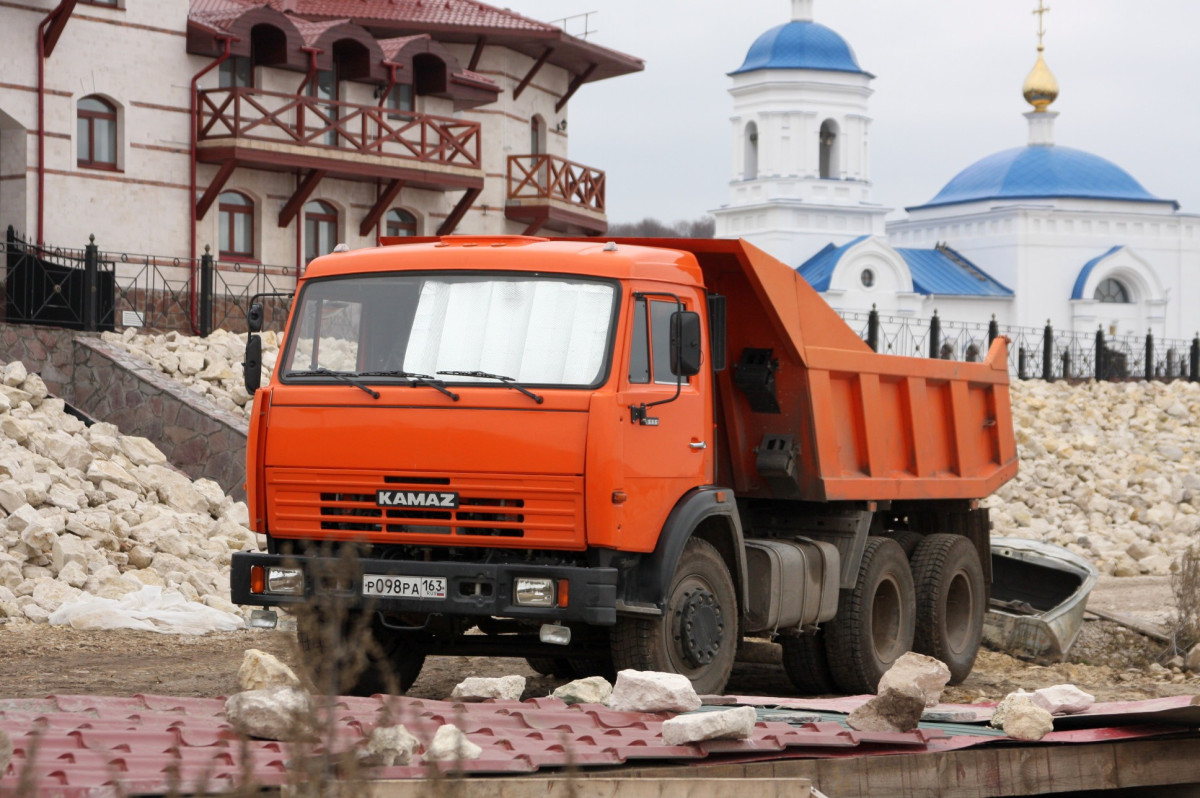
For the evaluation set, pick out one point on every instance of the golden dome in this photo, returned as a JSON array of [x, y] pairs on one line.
[[1041, 87]]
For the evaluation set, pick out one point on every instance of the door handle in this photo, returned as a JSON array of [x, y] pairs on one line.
[[698, 445]]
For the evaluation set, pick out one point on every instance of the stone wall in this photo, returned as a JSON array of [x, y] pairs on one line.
[[109, 384]]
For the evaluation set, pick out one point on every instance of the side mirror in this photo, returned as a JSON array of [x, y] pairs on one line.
[[252, 365], [254, 317], [685, 343]]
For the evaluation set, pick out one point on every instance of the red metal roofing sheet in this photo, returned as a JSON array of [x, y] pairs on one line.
[[86, 744]]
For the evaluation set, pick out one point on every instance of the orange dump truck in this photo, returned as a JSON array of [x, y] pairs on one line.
[[617, 454]]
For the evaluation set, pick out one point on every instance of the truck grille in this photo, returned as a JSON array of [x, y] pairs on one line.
[[540, 511]]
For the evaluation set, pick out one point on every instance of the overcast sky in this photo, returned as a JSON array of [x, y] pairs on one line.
[[947, 90]]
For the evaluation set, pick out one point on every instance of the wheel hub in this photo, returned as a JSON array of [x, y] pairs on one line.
[[700, 626]]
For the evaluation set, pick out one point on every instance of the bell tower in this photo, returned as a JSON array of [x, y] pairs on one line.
[[800, 176]]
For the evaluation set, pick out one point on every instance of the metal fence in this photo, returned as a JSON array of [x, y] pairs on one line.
[[90, 289], [1033, 353]]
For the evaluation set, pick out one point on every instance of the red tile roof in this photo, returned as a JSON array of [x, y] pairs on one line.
[[456, 13]]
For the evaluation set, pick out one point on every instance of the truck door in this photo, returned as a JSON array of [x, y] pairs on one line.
[[669, 451]]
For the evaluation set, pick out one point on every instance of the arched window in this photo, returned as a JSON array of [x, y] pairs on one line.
[[401, 223], [96, 133], [320, 229], [429, 75], [237, 225], [751, 167], [1112, 290], [829, 150]]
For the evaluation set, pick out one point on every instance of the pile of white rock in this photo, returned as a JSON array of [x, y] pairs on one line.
[[1108, 470], [88, 509], [211, 366]]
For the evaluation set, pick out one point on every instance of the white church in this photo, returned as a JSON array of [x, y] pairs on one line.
[[1040, 231]]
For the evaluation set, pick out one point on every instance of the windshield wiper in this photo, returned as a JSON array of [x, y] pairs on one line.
[[413, 379], [337, 375], [508, 381]]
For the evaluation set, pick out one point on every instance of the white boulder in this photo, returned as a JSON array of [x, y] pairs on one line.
[[728, 724], [650, 691]]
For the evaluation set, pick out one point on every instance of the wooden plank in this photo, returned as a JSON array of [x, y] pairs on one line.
[[558, 786], [982, 772], [1147, 629]]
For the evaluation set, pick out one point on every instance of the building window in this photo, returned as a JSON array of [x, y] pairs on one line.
[[829, 150], [867, 278], [237, 225], [320, 229], [325, 87], [750, 167], [1111, 290], [400, 99], [235, 72], [401, 223], [109, 3], [96, 133]]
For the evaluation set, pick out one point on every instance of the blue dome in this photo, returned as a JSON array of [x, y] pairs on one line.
[[801, 45], [1040, 171]]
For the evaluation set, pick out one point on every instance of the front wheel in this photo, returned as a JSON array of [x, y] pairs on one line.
[[697, 633], [875, 621], [355, 654]]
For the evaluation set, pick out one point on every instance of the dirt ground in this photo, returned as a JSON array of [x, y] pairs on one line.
[[1108, 660]]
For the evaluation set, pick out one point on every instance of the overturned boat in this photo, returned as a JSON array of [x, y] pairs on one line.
[[1039, 595]]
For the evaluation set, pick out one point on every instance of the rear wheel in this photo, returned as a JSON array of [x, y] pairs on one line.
[[875, 621], [697, 634], [951, 602], [358, 655], [805, 663]]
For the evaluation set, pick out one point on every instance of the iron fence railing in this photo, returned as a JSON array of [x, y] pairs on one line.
[[1033, 353], [90, 289]]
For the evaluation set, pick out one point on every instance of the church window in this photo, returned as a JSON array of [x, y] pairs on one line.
[[829, 150], [1112, 290], [867, 278], [750, 170]]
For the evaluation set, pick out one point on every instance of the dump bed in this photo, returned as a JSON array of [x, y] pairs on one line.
[[807, 411]]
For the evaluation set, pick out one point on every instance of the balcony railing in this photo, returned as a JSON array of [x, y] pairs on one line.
[[333, 126], [548, 177]]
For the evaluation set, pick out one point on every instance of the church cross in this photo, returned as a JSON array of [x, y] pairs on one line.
[[1041, 15]]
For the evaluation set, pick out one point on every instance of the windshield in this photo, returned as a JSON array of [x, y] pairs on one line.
[[537, 330]]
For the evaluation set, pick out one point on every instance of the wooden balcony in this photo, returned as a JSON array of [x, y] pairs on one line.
[[546, 191], [268, 130]]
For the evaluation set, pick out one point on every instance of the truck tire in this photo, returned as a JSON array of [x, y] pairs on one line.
[[698, 632], [552, 666], [806, 665], [358, 656], [875, 621], [951, 601], [908, 540]]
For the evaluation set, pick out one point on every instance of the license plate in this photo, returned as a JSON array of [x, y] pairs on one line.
[[418, 587]]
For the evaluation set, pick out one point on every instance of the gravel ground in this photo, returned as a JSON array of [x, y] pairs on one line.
[[36, 660]]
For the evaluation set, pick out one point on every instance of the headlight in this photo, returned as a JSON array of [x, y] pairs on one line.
[[535, 592], [285, 581]]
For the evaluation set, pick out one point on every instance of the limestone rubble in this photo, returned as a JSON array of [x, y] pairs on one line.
[[88, 509]]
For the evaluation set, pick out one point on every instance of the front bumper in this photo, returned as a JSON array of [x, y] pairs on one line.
[[472, 589]]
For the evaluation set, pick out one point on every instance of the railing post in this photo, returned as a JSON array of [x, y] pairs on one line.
[[91, 291], [993, 331], [1066, 364], [1047, 352], [1172, 360], [873, 329], [935, 334], [1022, 364], [206, 292], [1100, 353], [1149, 355], [1194, 358]]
